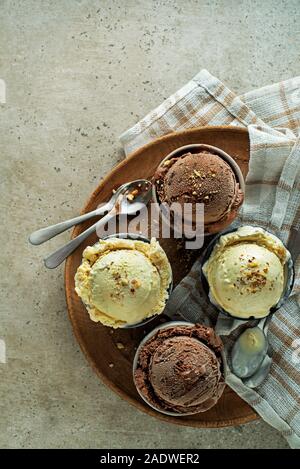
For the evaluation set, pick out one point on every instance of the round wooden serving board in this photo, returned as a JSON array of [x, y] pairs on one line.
[[101, 344]]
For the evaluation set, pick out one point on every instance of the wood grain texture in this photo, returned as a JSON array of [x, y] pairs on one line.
[[99, 343]]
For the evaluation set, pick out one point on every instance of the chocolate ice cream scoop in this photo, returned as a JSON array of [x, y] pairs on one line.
[[179, 369], [202, 177]]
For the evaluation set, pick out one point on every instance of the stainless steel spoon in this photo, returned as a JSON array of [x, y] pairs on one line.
[[44, 234], [127, 203], [261, 373], [250, 350]]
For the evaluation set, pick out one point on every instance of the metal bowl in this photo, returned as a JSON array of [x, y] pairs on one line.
[[288, 273], [197, 148], [136, 359]]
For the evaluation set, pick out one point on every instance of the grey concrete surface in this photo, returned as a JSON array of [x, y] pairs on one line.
[[78, 73]]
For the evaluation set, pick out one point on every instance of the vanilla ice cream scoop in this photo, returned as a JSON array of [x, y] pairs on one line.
[[246, 272], [125, 285], [123, 281]]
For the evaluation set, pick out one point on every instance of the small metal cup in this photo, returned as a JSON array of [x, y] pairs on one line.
[[167, 325], [197, 148], [289, 275]]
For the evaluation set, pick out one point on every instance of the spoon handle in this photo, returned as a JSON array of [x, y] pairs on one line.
[[58, 256], [40, 236]]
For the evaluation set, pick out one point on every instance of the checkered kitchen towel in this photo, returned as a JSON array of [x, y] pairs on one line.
[[272, 116]]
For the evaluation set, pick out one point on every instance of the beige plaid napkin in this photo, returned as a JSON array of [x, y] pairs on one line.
[[272, 115]]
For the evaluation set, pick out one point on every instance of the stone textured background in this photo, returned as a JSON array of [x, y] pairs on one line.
[[79, 73]]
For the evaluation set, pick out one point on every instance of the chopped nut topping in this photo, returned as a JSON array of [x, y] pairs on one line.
[[197, 173], [167, 163], [136, 283], [120, 346]]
